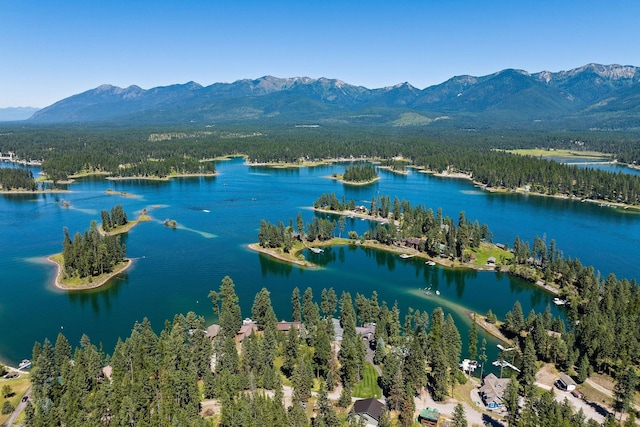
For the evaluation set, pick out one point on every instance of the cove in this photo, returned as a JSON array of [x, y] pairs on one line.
[[217, 217]]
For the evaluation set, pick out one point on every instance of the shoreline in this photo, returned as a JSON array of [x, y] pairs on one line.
[[340, 179], [143, 217], [128, 262], [289, 258], [48, 191], [461, 175], [490, 328]]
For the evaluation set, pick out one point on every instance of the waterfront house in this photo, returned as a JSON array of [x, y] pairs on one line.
[[286, 326], [492, 391]]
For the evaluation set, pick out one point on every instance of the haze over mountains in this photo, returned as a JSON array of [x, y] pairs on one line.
[[592, 96]]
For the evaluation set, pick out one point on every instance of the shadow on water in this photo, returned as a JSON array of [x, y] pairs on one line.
[[101, 298], [270, 265]]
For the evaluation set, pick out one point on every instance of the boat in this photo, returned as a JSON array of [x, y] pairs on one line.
[[437, 292], [430, 263], [558, 301], [26, 363], [317, 250], [405, 256], [206, 210]]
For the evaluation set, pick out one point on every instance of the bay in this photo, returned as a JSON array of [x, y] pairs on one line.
[[174, 270]]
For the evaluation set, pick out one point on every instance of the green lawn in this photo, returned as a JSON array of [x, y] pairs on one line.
[[368, 386], [485, 251]]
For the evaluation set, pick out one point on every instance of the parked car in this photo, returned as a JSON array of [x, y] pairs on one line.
[[577, 394]]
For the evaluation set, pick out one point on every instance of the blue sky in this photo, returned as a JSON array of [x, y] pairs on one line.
[[50, 50]]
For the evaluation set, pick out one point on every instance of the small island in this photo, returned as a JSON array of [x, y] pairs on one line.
[[91, 259], [358, 174]]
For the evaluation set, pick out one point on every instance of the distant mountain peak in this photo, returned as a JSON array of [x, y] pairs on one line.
[[507, 97]]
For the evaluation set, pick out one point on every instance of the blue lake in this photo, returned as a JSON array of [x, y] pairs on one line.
[[174, 270]]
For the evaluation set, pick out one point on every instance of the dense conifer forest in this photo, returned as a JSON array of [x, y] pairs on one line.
[[154, 152], [91, 254], [359, 173], [274, 377], [17, 179]]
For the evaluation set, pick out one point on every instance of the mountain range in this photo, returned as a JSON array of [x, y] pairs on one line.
[[592, 96]]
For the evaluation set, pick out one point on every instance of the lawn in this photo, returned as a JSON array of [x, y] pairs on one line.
[[485, 251], [368, 386], [19, 387]]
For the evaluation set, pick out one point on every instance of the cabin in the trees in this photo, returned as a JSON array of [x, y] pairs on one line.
[[566, 383], [286, 326], [212, 332], [429, 417], [248, 327], [369, 410], [368, 333], [412, 242], [492, 391]]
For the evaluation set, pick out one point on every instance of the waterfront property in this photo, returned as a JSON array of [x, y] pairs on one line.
[[492, 391]]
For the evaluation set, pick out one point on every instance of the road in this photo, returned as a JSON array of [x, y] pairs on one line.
[[19, 409]]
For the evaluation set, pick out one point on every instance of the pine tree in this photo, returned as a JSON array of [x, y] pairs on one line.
[[296, 312], [624, 390], [459, 416]]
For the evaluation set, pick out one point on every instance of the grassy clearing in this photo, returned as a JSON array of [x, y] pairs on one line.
[[368, 386], [535, 152], [19, 386], [485, 251]]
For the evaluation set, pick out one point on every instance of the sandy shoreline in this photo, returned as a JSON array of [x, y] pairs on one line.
[[94, 284]]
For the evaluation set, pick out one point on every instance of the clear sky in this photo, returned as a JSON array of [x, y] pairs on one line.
[[52, 49]]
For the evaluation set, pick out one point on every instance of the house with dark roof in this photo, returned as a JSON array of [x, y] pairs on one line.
[[369, 410], [368, 333]]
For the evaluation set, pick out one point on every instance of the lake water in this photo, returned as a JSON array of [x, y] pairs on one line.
[[174, 270]]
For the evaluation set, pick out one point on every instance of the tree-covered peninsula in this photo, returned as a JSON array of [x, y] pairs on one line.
[[17, 179]]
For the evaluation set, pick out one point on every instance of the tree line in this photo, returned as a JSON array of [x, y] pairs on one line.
[[17, 179], [359, 172], [117, 218], [91, 254], [130, 152], [399, 222]]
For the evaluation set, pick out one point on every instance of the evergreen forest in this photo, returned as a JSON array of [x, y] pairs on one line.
[[153, 152]]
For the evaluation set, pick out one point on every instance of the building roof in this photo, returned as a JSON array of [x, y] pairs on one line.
[[371, 407], [286, 326], [567, 380], [212, 331], [430, 414], [367, 331], [246, 329], [493, 388]]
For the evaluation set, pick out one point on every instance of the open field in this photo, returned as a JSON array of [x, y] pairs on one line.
[[536, 152]]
